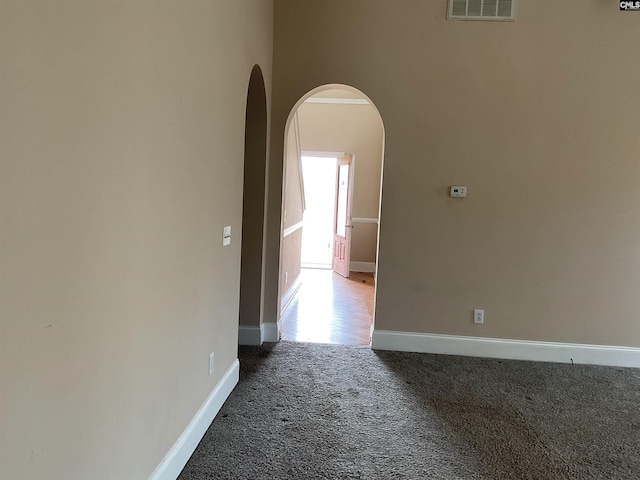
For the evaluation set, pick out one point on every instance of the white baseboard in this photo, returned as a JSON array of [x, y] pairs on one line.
[[271, 332], [290, 294], [508, 349], [253, 335], [175, 460], [249, 335], [369, 267]]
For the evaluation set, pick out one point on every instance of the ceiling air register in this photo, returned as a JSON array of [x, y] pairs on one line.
[[497, 10]]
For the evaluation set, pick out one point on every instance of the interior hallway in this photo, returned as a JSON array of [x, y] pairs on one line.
[[329, 308]]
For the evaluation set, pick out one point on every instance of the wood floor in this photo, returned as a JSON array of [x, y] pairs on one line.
[[329, 308]]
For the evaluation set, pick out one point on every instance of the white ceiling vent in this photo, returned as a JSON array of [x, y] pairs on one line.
[[500, 10]]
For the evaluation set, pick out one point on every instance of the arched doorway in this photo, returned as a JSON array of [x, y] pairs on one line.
[[334, 134], [253, 212]]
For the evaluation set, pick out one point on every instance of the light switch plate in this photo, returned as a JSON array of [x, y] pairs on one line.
[[226, 236]]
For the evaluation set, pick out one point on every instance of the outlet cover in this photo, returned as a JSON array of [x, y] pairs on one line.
[[211, 363]]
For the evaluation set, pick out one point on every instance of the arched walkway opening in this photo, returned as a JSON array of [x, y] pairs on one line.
[[253, 211], [332, 185]]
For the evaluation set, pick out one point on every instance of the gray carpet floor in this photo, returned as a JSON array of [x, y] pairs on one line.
[[311, 411]]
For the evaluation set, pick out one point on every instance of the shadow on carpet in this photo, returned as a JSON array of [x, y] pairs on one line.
[[313, 411]]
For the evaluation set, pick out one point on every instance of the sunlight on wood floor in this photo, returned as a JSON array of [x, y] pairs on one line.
[[329, 308]]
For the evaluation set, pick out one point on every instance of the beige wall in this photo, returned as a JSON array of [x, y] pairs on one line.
[[538, 117], [364, 242], [293, 201], [355, 130], [121, 160], [293, 210], [291, 251]]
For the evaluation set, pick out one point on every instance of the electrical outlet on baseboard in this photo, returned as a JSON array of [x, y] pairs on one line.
[[211, 363], [478, 316]]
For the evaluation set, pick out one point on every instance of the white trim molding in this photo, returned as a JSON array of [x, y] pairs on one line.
[[254, 335], [368, 267], [250, 335], [317, 153], [271, 332], [507, 349], [288, 231], [363, 220], [338, 101], [177, 457], [290, 294]]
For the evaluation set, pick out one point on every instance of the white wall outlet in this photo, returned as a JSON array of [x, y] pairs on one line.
[[212, 363], [458, 191], [478, 316], [226, 236], [286, 277]]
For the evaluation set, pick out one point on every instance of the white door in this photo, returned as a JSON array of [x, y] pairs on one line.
[[342, 225]]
